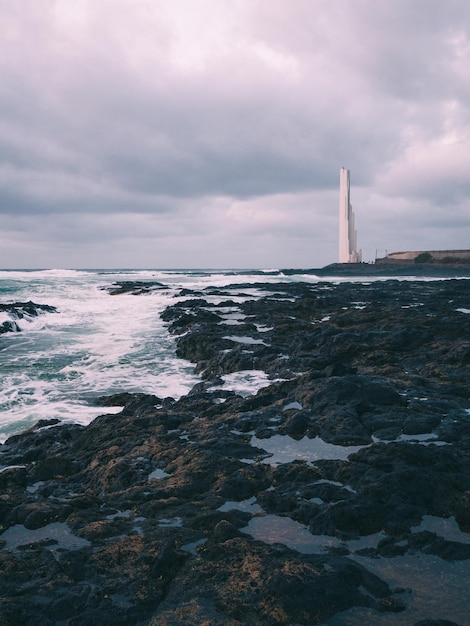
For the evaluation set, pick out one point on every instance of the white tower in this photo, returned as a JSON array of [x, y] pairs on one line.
[[347, 233]]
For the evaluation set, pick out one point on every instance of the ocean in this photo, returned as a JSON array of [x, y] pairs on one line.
[[97, 344]]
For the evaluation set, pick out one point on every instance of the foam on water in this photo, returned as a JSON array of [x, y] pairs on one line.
[[97, 344], [245, 382]]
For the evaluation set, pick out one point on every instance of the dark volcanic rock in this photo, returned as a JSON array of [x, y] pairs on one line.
[[21, 310], [278, 586], [135, 287], [142, 516]]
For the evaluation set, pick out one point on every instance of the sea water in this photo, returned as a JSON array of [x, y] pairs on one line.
[[98, 344]]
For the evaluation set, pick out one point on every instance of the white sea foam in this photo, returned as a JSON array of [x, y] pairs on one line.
[[94, 345], [97, 344], [4, 317], [245, 382]]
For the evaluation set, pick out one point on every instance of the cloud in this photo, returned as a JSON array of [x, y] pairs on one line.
[[211, 127]]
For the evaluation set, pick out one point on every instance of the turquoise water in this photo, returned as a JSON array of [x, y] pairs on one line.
[[96, 344]]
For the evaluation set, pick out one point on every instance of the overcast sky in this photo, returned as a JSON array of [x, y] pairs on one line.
[[210, 133]]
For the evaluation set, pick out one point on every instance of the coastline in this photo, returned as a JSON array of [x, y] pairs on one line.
[[389, 270], [161, 514]]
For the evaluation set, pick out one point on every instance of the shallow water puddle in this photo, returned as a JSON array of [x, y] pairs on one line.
[[249, 341], [262, 328], [292, 405], [191, 547], [447, 528], [324, 481], [285, 449], [233, 318], [367, 541], [59, 532], [7, 468], [170, 522], [157, 474], [424, 439], [275, 529], [248, 506], [35, 486], [119, 514], [439, 590], [127, 514]]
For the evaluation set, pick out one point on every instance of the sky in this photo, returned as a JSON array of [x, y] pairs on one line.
[[210, 134]]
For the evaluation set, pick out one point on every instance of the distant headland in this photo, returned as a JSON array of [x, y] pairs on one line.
[[441, 257], [432, 263]]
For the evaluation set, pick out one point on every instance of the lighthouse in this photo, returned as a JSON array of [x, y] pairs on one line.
[[348, 252]]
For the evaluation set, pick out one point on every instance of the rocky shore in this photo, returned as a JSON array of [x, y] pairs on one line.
[[20, 311], [309, 502]]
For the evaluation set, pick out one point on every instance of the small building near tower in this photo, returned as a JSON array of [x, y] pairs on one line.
[[348, 252]]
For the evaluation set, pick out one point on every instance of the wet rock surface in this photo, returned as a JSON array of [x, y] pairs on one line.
[[135, 287], [19, 311], [144, 517]]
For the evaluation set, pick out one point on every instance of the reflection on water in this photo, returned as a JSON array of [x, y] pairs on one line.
[[59, 533], [248, 506], [285, 449], [275, 529], [192, 547], [157, 474], [440, 590], [444, 527], [432, 588], [170, 522]]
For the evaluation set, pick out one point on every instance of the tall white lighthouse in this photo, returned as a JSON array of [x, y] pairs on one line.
[[348, 252]]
